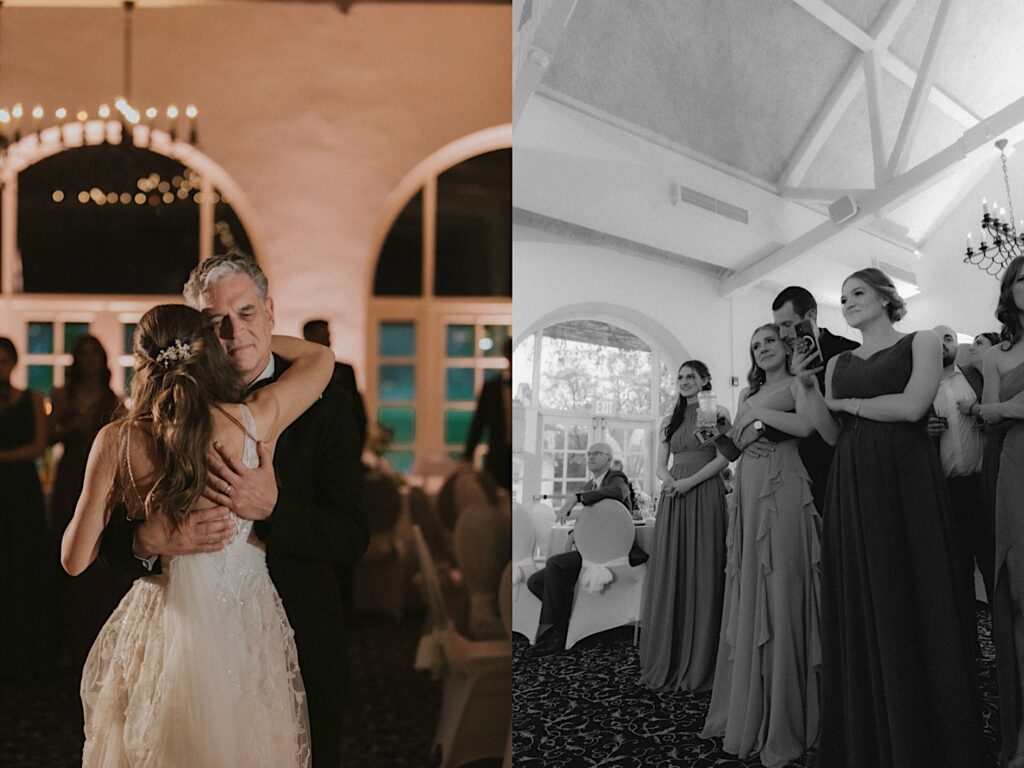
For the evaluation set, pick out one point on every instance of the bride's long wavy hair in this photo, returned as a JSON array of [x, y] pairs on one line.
[[181, 372]]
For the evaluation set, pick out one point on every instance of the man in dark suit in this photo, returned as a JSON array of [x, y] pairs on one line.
[[319, 331], [494, 413], [307, 504], [556, 582], [792, 305]]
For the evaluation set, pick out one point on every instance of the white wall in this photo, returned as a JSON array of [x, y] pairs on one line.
[[316, 114], [679, 308]]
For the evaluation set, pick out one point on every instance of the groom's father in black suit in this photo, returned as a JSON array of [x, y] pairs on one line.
[[307, 503], [555, 583]]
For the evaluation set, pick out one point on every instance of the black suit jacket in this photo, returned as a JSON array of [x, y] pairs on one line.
[[318, 521], [490, 414], [815, 453], [345, 377]]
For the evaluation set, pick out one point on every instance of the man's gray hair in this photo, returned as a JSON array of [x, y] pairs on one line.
[[211, 271]]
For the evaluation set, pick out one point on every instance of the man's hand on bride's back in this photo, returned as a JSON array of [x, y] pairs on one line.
[[249, 493], [205, 531]]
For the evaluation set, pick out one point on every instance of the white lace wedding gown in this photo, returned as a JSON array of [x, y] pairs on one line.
[[197, 667]]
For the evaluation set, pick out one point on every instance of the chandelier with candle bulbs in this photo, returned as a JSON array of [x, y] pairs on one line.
[[124, 123], [1004, 243]]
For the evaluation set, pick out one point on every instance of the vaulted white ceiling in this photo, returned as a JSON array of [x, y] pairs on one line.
[[775, 109]]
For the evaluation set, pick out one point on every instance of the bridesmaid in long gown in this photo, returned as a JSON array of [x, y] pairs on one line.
[[765, 694], [29, 634], [899, 687], [682, 606], [80, 409], [1003, 409]]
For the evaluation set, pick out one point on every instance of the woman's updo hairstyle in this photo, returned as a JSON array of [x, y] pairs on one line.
[[181, 372], [879, 282]]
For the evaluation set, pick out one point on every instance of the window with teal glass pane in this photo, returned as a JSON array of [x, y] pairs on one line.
[[40, 378], [401, 422], [71, 332], [400, 460], [40, 338], [397, 340], [397, 382], [129, 334], [456, 426], [459, 384], [460, 341], [491, 374], [492, 344]]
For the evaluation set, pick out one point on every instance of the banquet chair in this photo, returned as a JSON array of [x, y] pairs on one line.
[[543, 517], [422, 513], [481, 544], [465, 486], [609, 589], [526, 606], [381, 577], [476, 702]]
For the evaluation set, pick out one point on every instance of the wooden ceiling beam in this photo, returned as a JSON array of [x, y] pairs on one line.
[[922, 86], [897, 190], [536, 45], [872, 75]]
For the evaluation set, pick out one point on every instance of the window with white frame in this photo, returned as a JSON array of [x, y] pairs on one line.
[[578, 382], [442, 296]]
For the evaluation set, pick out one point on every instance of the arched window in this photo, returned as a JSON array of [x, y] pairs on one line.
[[577, 382], [442, 296], [93, 232]]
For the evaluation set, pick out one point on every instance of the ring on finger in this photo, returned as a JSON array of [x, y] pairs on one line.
[[227, 489]]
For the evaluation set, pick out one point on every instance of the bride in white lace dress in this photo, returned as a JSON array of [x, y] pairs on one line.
[[196, 666]]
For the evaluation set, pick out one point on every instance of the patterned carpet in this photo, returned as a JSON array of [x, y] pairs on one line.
[[389, 723], [584, 708]]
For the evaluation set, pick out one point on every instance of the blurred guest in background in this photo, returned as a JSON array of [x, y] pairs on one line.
[[494, 414], [682, 606], [83, 405], [961, 445], [319, 332], [972, 367], [28, 638]]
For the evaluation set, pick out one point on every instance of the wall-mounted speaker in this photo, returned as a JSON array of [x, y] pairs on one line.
[[842, 209]]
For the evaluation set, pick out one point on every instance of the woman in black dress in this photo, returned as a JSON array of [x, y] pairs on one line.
[[26, 584], [83, 405], [898, 679]]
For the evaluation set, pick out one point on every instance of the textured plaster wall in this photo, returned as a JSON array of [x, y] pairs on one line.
[[316, 114]]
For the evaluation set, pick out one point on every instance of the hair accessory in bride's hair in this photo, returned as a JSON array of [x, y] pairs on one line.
[[174, 353]]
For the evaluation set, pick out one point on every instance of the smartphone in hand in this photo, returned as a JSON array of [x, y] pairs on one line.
[[806, 345]]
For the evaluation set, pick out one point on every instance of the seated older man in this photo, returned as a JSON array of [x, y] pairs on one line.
[[556, 582]]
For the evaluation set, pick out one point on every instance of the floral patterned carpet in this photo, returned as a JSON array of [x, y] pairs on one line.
[[389, 723], [584, 708]]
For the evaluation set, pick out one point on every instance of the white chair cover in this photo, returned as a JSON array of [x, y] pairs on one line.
[[543, 516], [476, 704], [609, 590]]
